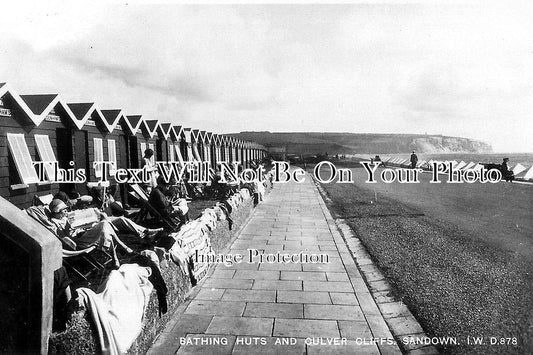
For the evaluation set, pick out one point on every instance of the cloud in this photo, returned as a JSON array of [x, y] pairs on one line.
[[454, 69]]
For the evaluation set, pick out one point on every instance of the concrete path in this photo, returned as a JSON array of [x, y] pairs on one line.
[[282, 308]]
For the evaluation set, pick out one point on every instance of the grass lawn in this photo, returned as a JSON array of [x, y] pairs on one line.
[[456, 283]]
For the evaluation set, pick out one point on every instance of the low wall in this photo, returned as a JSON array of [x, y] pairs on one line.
[[81, 337]]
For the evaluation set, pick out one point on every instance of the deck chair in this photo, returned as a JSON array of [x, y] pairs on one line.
[[148, 210], [69, 248]]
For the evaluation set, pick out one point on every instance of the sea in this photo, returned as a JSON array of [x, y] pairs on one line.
[[525, 159]]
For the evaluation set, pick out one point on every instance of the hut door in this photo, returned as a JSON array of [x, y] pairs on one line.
[[122, 164], [159, 150], [133, 156], [81, 155], [64, 153]]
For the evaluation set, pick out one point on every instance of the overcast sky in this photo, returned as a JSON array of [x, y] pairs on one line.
[[452, 69]]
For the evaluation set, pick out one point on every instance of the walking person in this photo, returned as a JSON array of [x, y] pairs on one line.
[[414, 160], [506, 172]]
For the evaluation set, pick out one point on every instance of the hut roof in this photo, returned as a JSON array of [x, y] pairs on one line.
[[165, 129], [132, 123], [187, 133], [149, 128], [37, 107], [110, 118], [177, 133], [39, 104], [81, 112]]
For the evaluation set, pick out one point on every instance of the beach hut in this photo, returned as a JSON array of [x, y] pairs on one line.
[[163, 141], [93, 145], [149, 133], [131, 126], [215, 148], [172, 142], [246, 154], [187, 134], [233, 145], [238, 151], [207, 146], [115, 143], [28, 134], [224, 143], [209, 141], [73, 143], [196, 144], [227, 148], [180, 144], [204, 146]]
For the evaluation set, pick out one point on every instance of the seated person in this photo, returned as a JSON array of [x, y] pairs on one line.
[[160, 200], [101, 233], [75, 200]]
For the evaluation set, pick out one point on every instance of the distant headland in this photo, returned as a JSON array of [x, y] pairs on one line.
[[349, 143]]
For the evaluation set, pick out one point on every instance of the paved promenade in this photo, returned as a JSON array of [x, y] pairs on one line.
[[247, 307]]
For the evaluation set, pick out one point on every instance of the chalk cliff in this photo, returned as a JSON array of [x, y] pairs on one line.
[[354, 143]]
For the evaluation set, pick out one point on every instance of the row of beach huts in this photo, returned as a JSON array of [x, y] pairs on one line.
[[521, 173], [44, 127]]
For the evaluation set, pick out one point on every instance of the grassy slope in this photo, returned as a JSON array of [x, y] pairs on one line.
[[454, 286], [349, 143]]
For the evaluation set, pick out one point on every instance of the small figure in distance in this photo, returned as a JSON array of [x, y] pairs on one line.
[[414, 160], [507, 174], [378, 159]]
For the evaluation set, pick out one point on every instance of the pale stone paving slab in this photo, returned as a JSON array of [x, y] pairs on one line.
[[293, 285], [256, 275], [303, 297], [214, 294], [299, 275], [250, 295], [272, 301], [345, 298], [304, 328], [277, 310], [241, 326], [215, 308], [333, 312]]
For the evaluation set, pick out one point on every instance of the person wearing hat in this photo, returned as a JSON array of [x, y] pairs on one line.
[[59, 217], [59, 213], [414, 160], [99, 234], [159, 200], [75, 201], [507, 174]]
